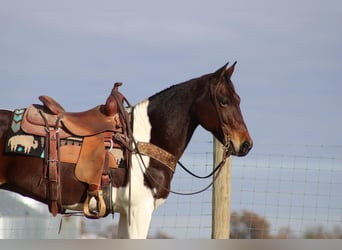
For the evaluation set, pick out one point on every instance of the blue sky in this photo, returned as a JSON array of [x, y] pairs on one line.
[[289, 57]]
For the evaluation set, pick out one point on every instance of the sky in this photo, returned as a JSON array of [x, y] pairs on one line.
[[289, 57]]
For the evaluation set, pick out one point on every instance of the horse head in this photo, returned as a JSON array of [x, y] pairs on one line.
[[221, 100]]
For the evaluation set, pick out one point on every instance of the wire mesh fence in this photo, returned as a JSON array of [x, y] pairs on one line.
[[295, 189], [277, 191]]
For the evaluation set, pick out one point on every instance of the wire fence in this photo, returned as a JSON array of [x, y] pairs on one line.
[[299, 193], [277, 191], [293, 192]]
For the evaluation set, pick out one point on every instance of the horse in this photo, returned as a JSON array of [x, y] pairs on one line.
[[167, 120]]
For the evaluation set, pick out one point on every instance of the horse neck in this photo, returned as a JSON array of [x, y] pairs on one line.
[[169, 117]]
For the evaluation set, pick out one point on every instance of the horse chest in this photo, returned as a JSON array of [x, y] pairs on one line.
[[141, 191]]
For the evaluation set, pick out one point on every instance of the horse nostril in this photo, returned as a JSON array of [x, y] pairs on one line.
[[245, 147]]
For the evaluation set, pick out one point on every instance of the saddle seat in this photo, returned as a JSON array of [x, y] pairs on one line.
[[94, 121], [86, 123]]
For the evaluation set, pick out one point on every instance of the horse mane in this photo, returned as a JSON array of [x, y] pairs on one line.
[[176, 86], [165, 90]]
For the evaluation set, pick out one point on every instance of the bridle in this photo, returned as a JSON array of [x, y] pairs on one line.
[[213, 95], [226, 146]]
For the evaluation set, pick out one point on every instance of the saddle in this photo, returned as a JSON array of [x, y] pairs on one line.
[[96, 132]]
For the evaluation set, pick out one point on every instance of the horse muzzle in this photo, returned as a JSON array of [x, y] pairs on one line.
[[240, 148]]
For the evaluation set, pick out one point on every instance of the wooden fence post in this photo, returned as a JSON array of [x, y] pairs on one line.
[[221, 196]]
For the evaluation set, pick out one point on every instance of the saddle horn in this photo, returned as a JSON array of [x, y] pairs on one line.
[[111, 107]]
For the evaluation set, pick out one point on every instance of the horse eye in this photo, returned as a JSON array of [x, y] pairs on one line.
[[224, 101]]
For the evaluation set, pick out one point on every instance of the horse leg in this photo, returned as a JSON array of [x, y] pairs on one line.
[[139, 223]]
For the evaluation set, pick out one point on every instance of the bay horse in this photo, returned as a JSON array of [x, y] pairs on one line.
[[168, 120]]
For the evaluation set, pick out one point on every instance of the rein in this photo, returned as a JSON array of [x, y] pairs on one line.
[[197, 176], [217, 169]]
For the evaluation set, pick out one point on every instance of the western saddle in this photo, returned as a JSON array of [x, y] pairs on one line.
[[86, 139]]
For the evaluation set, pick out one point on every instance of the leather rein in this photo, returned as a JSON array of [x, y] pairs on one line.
[[172, 168]]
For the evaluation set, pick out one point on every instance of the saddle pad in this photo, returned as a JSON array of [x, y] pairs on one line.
[[19, 142]]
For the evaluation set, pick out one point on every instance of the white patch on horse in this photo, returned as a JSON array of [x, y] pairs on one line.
[[143, 202]]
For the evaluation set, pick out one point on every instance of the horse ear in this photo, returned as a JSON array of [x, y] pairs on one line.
[[220, 72], [230, 70]]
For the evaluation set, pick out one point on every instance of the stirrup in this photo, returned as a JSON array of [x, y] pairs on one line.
[[100, 205]]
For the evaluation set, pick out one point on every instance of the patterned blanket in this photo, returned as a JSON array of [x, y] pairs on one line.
[[21, 143]]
